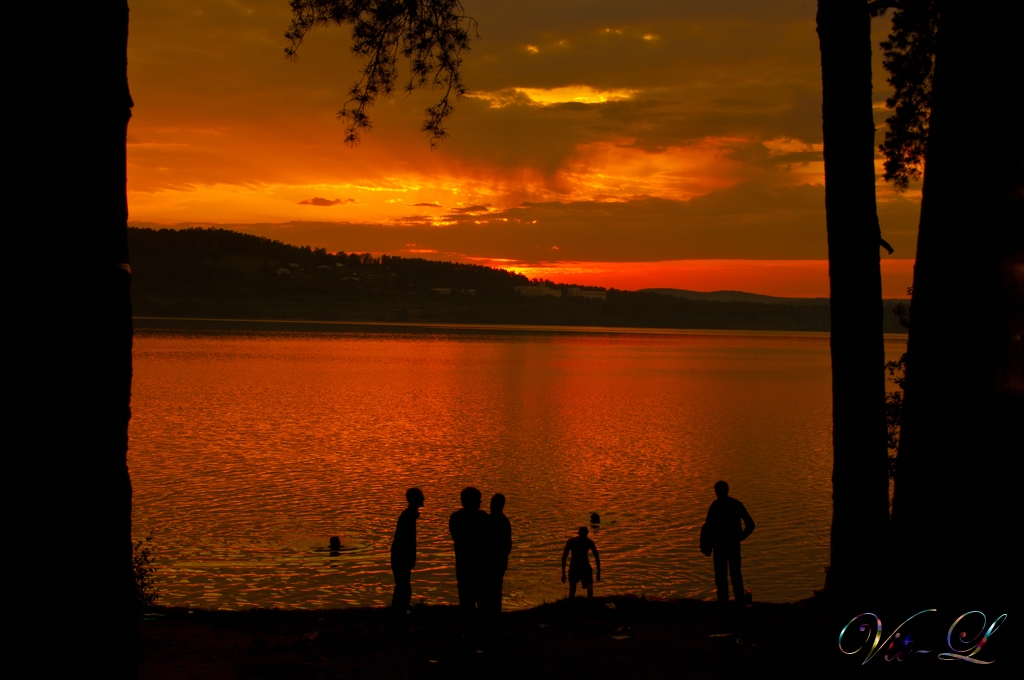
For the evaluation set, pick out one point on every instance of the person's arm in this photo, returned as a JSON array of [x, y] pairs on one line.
[[748, 524], [565, 554], [597, 560]]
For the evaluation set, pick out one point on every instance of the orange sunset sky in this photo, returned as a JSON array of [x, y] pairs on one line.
[[627, 144]]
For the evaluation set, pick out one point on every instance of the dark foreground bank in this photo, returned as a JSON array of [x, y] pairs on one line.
[[619, 637]]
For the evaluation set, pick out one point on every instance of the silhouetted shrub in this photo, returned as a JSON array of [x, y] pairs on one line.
[[145, 574]]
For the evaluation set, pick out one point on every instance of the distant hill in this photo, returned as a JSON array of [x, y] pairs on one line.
[[734, 296], [218, 273]]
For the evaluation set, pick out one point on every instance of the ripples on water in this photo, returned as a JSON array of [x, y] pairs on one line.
[[249, 450]]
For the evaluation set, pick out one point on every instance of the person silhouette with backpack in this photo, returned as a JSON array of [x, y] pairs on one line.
[[720, 538]]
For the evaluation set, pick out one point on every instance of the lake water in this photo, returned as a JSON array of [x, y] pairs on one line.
[[248, 450]]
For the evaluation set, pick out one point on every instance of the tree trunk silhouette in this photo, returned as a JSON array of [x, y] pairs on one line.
[[85, 378], [860, 503], [964, 398]]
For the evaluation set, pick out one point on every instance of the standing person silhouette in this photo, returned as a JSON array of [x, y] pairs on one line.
[[499, 547], [403, 551], [723, 523], [468, 528], [579, 567]]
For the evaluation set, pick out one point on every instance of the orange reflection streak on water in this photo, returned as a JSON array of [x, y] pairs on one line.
[[249, 450]]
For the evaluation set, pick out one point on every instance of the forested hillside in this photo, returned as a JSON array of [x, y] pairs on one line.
[[224, 274]]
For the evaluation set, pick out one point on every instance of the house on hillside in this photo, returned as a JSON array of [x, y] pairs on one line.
[[574, 291], [449, 291], [537, 291]]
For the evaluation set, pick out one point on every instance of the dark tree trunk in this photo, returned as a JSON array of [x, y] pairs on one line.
[[860, 495], [83, 384], [954, 512]]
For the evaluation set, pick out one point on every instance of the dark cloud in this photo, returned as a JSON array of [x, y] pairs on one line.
[[426, 205], [471, 210], [326, 202]]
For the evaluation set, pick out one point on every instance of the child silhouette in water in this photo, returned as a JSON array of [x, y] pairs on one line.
[[579, 567]]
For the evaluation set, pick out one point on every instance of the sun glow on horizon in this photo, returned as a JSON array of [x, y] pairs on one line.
[[781, 278]]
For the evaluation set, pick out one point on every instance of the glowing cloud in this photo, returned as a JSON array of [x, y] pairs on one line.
[[539, 96], [580, 94]]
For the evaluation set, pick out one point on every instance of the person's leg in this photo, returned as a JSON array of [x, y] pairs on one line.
[[403, 589], [590, 590], [465, 588], [480, 584], [487, 594], [721, 574], [480, 592], [484, 589], [572, 588], [499, 587], [737, 577]]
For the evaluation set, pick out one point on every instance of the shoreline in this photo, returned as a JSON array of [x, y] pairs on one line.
[[609, 637], [304, 325], [614, 638]]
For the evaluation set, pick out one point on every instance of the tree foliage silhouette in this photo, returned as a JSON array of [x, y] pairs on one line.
[[909, 57], [897, 372], [431, 34]]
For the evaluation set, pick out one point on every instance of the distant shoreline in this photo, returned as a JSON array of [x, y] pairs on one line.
[[232, 324], [219, 275]]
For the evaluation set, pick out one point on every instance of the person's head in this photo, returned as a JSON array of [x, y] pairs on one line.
[[721, 489], [583, 532], [415, 497], [471, 498], [497, 502]]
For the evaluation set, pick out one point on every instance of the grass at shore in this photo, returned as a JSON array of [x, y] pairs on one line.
[[616, 637], [612, 637]]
